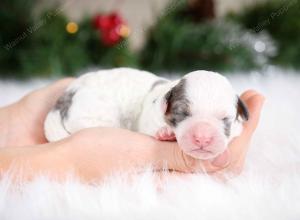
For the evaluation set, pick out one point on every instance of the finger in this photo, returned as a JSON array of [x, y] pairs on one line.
[[239, 145], [255, 104], [52, 92], [57, 87], [189, 164], [222, 160], [247, 94], [219, 163], [179, 161]]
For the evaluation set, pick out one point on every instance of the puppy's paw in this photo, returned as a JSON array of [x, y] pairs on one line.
[[165, 134]]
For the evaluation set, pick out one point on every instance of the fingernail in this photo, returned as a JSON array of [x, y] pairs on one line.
[[222, 160]]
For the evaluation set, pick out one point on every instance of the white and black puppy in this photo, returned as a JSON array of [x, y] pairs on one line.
[[201, 110]]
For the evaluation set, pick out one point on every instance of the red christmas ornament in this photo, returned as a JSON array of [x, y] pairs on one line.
[[109, 27], [110, 38], [116, 19]]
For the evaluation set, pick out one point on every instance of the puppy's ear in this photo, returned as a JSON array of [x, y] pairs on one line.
[[242, 110]]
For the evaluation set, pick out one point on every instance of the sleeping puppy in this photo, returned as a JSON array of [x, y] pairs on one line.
[[201, 110]]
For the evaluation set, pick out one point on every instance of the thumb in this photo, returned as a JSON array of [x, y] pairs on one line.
[[52, 92], [255, 104], [58, 87], [222, 160]]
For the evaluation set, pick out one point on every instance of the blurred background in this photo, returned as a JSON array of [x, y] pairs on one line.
[[57, 38]]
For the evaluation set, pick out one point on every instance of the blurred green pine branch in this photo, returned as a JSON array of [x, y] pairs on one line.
[[178, 42], [41, 46], [281, 19], [181, 40]]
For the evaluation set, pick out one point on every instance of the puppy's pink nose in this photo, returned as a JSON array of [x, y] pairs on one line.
[[202, 141], [203, 136]]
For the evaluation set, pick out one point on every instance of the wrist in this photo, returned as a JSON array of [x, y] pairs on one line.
[[6, 121], [55, 159], [50, 159], [30, 161]]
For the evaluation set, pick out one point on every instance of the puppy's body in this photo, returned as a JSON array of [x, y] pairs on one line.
[[112, 98], [191, 109]]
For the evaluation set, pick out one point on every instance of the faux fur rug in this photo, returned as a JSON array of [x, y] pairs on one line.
[[269, 187]]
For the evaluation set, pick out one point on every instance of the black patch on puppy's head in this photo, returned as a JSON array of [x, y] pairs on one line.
[[178, 108]]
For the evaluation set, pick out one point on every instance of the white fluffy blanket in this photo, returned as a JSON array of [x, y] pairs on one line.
[[269, 187]]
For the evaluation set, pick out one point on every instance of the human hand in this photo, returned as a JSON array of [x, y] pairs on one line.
[[22, 123], [99, 151], [232, 160], [96, 152]]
